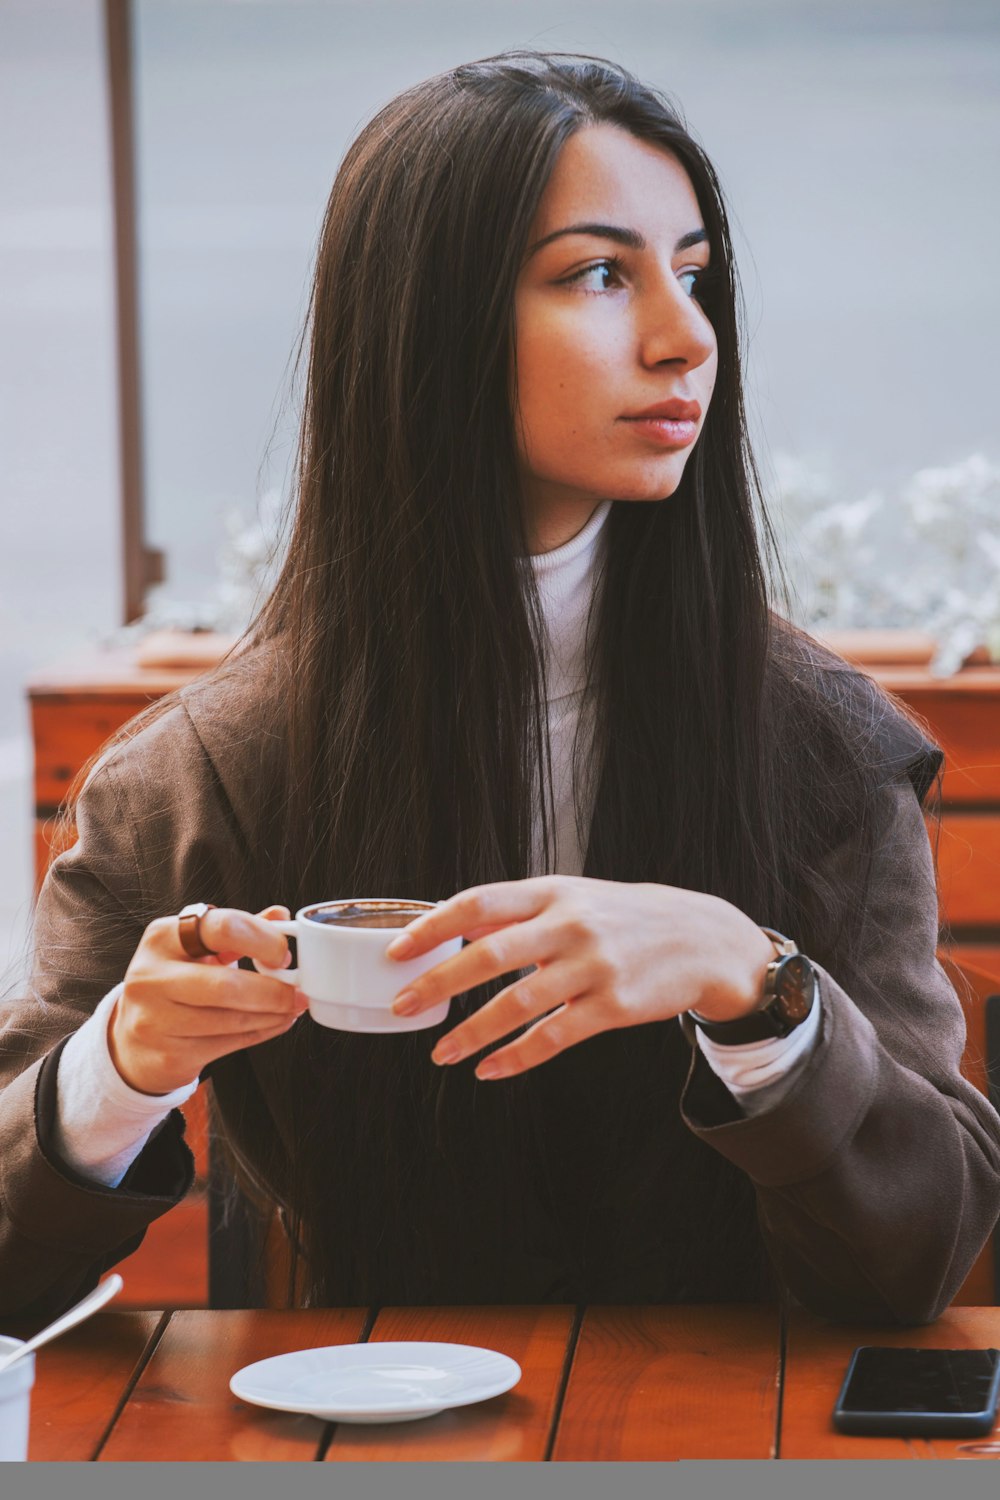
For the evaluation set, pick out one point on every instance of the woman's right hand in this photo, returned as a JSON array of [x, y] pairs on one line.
[[177, 1014]]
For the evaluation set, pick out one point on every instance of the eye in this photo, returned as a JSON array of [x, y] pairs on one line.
[[701, 277], [595, 274]]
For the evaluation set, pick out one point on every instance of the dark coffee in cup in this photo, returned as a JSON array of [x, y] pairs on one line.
[[368, 914]]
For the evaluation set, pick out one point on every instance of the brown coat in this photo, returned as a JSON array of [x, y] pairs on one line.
[[876, 1180]]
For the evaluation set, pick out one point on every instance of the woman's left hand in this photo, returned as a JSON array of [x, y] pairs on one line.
[[607, 955]]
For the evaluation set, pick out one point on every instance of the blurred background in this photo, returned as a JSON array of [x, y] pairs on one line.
[[857, 144]]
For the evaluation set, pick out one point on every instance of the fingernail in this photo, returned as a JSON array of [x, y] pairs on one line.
[[489, 1069], [401, 946], [287, 958], [446, 1052], [407, 1003]]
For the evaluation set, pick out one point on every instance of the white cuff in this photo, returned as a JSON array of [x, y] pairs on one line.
[[101, 1123], [751, 1068]]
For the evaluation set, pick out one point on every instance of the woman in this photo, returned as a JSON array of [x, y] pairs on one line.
[[520, 660]]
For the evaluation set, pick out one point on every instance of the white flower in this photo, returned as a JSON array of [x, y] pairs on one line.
[[927, 558], [247, 565]]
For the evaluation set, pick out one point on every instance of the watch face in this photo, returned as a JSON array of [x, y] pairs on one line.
[[793, 990]]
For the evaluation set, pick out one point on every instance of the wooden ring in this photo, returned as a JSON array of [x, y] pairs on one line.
[[189, 929]]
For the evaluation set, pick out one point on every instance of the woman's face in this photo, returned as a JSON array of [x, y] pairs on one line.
[[608, 325]]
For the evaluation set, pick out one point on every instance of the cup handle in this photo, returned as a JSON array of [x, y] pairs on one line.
[[286, 976]]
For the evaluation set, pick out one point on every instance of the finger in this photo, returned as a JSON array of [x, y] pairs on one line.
[[224, 930], [220, 1046], [234, 958], [563, 1028], [207, 987], [517, 947], [236, 990], [478, 932], [270, 913], [525, 1000], [481, 905], [207, 1023]]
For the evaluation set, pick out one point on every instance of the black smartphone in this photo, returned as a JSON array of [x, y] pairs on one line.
[[919, 1392]]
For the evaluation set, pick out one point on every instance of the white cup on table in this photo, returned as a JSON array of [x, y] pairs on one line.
[[15, 1402]]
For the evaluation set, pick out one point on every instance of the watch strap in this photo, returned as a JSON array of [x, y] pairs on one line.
[[787, 997]]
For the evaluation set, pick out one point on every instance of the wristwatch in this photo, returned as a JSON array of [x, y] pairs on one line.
[[786, 1000]]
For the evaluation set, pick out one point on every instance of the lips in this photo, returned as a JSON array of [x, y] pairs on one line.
[[670, 411]]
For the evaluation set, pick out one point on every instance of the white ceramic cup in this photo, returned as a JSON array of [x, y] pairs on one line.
[[344, 971], [15, 1402]]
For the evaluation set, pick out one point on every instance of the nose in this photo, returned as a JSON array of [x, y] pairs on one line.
[[673, 327]]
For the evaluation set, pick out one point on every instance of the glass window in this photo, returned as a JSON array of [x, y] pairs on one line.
[[850, 145]]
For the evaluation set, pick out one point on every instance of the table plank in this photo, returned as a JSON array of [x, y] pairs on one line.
[[816, 1362], [182, 1407], [80, 1379], [513, 1427], [672, 1382]]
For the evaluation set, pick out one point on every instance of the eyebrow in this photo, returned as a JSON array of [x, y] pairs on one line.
[[630, 237]]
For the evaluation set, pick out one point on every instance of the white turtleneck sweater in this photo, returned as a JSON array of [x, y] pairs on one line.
[[102, 1124]]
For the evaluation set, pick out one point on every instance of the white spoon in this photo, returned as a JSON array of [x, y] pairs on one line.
[[93, 1301]]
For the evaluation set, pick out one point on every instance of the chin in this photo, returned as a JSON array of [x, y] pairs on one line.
[[662, 487]]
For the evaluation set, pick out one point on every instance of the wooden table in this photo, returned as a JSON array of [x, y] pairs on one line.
[[604, 1383]]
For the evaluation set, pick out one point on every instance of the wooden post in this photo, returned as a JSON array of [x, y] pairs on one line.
[[142, 566]]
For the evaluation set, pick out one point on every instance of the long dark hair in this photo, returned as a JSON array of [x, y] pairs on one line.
[[726, 757]]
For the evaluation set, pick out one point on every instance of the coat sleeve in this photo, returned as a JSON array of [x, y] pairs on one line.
[[878, 1174], [135, 857]]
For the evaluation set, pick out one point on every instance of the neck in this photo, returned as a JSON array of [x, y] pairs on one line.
[[556, 528]]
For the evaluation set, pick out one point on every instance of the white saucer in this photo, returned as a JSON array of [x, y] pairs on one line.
[[380, 1382]]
